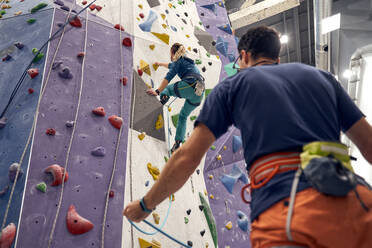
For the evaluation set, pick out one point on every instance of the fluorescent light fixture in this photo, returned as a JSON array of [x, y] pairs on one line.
[[284, 39], [331, 23], [347, 74]]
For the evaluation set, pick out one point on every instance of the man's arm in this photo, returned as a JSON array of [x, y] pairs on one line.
[[175, 173], [361, 135]]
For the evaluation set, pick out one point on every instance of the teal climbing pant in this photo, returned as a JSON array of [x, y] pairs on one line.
[[184, 90]]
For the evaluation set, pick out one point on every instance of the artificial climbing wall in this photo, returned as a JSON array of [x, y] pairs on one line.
[[105, 63]]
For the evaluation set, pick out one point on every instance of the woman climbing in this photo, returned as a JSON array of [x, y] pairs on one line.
[[191, 87]]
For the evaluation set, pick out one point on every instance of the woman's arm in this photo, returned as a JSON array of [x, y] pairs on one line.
[[163, 84], [162, 64]]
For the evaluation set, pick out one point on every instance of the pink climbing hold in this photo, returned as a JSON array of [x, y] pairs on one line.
[[76, 22], [84, 2], [30, 90], [7, 236], [116, 121], [140, 72], [119, 27], [142, 15], [50, 131], [92, 7], [124, 80], [98, 8], [57, 173], [127, 42], [100, 111], [33, 72], [76, 224]]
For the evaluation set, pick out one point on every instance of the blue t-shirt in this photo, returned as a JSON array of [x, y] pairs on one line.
[[183, 66], [279, 108]]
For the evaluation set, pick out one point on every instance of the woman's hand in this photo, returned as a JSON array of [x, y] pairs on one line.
[[151, 92], [157, 63], [133, 212]]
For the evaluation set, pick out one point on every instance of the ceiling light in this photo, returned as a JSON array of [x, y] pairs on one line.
[[284, 39], [347, 74]]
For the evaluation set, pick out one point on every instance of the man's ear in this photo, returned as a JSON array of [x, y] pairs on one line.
[[247, 57], [278, 61]]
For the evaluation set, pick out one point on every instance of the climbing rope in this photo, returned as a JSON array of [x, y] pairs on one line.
[[72, 136]]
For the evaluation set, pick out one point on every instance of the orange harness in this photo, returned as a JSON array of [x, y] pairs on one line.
[[266, 167]]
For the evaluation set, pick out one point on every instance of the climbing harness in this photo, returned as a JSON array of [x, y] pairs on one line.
[[198, 84]]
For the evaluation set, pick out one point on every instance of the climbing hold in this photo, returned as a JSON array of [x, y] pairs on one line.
[[164, 25], [99, 151], [172, 197], [219, 157], [33, 72], [205, 192], [222, 46], [50, 131], [209, 217], [211, 7], [80, 55], [187, 36], [145, 67], [197, 171], [141, 15], [174, 28], [140, 72], [209, 55], [236, 143], [116, 121], [152, 46], [38, 55], [209, 63], [188, 211], [75, 22], [7, 236], [204, 69], [56, 64], [242, 221], [111, 194], [202, 14], [18, 13], [30, 90], [127, 42], [186, 220], [141, 136], [154, 171], [228, 225], [202, 232], [226, 28], [57, 173], [186, 14], [189, 243], [163, 37], [184, 21], [145, 244], [229, 180], [119, 27], [151, 18], [225, 148], [198, 61], [211, 196], [140, 6], [98, 7], [7, 57], [221, 4], [69, 123], [65, 73], [124, 80], [12, 172], [19, 45], [159, 122], [41, 187], [213, 147], [84, 2], [155, 66], [210, 177], [165, 158], [100, 111], [195, 50], [59, 2], [231, 57], [175, 120], [163, 16], [201, 207], [4, 191], [38, 7], [76, 224], [169, 109], [156, 218], [92, 7], [147, 183], [193, 118], [3, 121]]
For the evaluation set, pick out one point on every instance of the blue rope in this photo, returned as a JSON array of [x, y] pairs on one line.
[[169, 153]]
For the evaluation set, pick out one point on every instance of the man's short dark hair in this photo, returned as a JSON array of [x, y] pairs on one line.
[[261, 41]]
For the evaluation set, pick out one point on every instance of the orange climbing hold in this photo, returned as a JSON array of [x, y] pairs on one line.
[[50, 131], [116, 121], [119, 27], [98, 8], [80, 55], [76, 224], [33, 72], [7, 236], [57, 173], [127, 42], [92, 7], [76, 22], [100, 111]]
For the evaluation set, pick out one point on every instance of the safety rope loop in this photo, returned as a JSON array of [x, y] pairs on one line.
[[246, 188], [266, 180]]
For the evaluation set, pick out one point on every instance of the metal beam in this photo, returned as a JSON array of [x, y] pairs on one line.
[[260, 11], [297, 33]]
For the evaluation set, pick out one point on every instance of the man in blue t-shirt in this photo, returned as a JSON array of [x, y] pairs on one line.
[[278, 109]]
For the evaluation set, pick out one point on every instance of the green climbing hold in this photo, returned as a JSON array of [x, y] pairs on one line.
[[38, 7], [193, 118], [208, 55], [42, 187], [207, 92], [200, 23], [31, 20], [213, 147], [2, 12], [39, 55], [166, 158], [186, 220], [210, 219], [180, 2], [198, 61], [175, 120]]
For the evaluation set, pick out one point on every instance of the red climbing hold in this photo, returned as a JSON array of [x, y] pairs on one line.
[[100, 111], [119, 27], [50, 131], [30, 90], [98, 8], [140, 72], [7, 236], [142, 15], [80, 55], [116, 121], [124, 80], [92, 7], [111, 194], [76, 22], [33, 72], [76, 224], [84, 2], [127, 42], [57, 173]]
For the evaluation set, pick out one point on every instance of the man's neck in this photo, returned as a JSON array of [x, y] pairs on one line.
[[262, 61]]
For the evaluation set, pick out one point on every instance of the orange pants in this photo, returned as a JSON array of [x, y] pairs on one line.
[[318, 221]]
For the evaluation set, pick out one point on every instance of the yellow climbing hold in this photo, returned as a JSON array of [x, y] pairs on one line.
[[219, 157], [163, 37], [225, 148], [164, 25], [163, 16], [228, 225], [187, 36], [210, 177], [169, 109], [145, 244], [156, 242], [218, 57], [18, 13], [142, 135], [205, 192], [138, 19], [170, 5], [155, 66], [152, 46], [171, 197], [159, 122], [140, 6], [211, 196], [156, 218], [145, 67], [189, 48], [154, 171], [206, 245]]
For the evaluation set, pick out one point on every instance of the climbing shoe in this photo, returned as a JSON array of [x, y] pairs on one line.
[[164, 99], [176, 146]]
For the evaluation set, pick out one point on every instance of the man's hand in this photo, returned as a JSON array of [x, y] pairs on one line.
[[151, 92], [133, 212]]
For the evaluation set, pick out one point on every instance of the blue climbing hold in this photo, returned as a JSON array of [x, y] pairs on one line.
[[174, 28], [236, 143], [59, 2], [99, 151], [211, 7], [19, 45], [231, 57], [151, 18], [222, 46], [65, 8], [242, 221], [152, 83], [226, 28], [229, 180]]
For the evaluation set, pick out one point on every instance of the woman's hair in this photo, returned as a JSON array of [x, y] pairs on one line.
[[177, 50]]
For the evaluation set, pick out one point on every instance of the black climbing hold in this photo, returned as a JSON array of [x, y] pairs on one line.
[[198, 171], [59, 24], [189, 243], [202, 232], [201, 207], [166, 11], [204, 69], [65, 73], [195, 50], [59, 2], [202, 14], [177, 15], [209, 63], [99, 151], [19, 45], [56, 64], [207, 26], [3, 121], [7, 57], [65, 8], [184, 21], [213, 43], [188, 211], [69, 123], [74, 11], [186, 14]]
